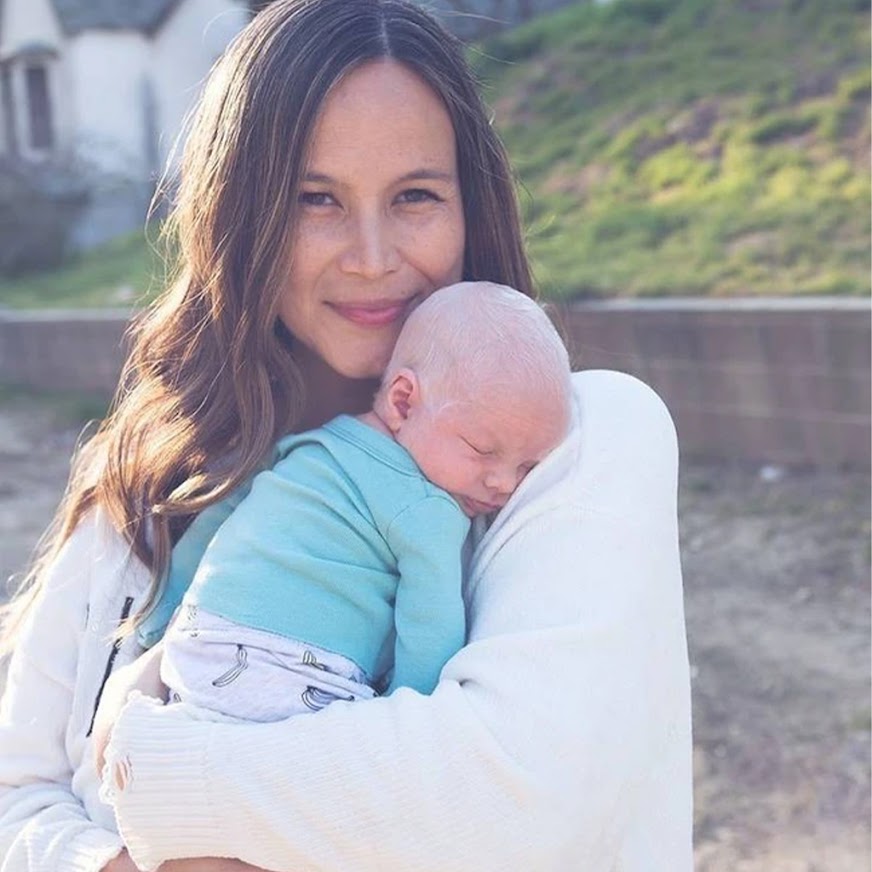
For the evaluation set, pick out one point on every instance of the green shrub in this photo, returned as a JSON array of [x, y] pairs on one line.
[[641, 12], [782, 126], [856, 86]]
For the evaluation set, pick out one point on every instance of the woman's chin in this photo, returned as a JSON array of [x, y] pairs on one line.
[[320, 367], [364, 368]]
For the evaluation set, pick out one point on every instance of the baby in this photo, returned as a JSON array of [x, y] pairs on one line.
[[339, 574]]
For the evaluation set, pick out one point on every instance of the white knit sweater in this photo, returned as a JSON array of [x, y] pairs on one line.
[[557, 739]]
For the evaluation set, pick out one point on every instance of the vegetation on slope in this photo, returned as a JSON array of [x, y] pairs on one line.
[[664, 147], [691, 147]]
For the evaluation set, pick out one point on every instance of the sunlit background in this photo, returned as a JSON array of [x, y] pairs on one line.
[[695, 178]]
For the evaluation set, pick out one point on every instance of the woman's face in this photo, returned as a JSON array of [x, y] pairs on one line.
[[381, 221]]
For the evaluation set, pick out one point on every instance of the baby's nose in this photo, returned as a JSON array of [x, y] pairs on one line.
[[503, 481]]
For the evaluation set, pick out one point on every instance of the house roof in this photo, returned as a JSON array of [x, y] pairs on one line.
[[143, 15]]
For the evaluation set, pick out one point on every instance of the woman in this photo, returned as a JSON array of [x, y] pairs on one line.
[[341, 168]]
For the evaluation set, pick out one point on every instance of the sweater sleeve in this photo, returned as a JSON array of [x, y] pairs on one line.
[[559, 729], [43, 824], [429, 615]]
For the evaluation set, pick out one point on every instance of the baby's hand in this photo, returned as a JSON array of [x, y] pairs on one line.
[[142, 675]]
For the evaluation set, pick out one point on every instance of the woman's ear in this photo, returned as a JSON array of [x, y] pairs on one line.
[[401, 396]]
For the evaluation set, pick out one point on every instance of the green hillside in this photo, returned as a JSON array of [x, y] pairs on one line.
[[704, 147], [665, 147]]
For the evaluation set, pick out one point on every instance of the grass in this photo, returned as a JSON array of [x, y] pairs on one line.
[[121, 273], [664, 147], [68, 408], [699, 147]]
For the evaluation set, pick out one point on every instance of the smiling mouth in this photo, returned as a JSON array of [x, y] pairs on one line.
[[375, 313]]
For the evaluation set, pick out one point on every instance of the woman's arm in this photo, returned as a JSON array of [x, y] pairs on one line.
[[558, 738], [142, 675], [43, 824], [54, 675]]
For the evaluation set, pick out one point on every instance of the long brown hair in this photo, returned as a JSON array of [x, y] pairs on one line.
[[211, 381]]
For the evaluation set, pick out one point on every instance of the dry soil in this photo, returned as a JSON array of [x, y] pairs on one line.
[[776, 568]]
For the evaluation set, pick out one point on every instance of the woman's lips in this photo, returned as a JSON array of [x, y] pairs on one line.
[[376, 313]]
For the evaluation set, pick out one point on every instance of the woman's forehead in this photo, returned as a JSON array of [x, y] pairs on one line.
[[383, 111]]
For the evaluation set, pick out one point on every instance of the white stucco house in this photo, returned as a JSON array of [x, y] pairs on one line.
[[107, 84]]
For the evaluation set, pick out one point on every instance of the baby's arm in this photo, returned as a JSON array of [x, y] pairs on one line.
[[186, 557], [429, 615]]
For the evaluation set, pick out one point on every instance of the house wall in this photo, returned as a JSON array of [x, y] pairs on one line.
[[27, 21], [785, 381], [118, 98], [128, 122], [108, 71], [108, 82], [183, 52]]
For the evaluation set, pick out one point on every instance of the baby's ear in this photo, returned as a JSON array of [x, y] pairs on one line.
[[401, 396]]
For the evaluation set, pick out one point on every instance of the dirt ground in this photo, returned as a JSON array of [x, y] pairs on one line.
[[777, 576]]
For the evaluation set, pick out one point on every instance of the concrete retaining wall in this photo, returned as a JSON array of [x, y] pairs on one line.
[[778, 381], [63, 350], [765, 381]]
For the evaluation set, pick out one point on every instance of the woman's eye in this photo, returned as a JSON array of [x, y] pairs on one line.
[[418, 195], [315, 198]]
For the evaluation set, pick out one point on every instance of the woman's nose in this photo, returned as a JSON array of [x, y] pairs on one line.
[[370, 250]]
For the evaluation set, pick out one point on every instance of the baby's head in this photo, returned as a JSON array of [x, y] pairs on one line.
[[477, 391]]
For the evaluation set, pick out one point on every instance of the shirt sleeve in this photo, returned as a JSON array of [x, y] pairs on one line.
[[429, 614], [539, 747], [185, 559], [43, 824]]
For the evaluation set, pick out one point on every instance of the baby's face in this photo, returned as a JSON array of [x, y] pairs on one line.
[[480, 452]]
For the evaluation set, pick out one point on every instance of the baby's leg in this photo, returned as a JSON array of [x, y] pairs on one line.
[[217, 664]]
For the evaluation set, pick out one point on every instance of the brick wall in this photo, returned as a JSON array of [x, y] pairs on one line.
[[767, 381]]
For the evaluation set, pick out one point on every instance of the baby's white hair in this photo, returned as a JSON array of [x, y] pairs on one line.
[[476, 336]]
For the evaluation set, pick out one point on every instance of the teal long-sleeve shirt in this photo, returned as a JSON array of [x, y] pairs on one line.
[[343, 544]]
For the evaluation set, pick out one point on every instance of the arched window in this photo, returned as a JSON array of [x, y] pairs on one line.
[[29, 125], [39, 107]]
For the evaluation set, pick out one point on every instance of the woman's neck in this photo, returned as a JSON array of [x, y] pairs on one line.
[[328, 393]]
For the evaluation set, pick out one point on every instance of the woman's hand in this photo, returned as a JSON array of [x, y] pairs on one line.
[[123, 863], [142, 675]]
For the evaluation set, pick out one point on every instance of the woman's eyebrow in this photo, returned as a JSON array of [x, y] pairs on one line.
[[425, 174], [322, 178], [422, 174]]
